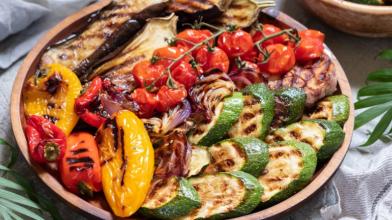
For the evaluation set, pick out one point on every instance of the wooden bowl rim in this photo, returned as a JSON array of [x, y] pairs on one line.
[[16, 104], [361, 8]]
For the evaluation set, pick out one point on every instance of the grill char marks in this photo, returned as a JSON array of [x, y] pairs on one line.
[[108, 30]]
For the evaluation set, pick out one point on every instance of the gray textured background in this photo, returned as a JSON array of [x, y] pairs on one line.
[[355, 54]]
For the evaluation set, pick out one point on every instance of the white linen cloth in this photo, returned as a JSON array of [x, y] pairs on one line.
[[361, 188]]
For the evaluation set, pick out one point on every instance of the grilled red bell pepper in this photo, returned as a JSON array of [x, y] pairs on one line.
[[46, 141], [84, 104], [80, 169]]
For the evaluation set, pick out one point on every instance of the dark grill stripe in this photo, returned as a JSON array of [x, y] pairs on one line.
[[72, 160], [78, 151]]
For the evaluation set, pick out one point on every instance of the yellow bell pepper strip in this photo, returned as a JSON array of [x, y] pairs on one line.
[[127, 162], [52, 95]]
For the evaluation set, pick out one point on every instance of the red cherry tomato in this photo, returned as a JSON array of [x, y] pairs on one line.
[[245, 73], [194, 36], [281, 60], [168, 98], [309, 49], [146, 73], [185, 74], [166, 55], [251, 56], [267, 30], [314, 34], [146, 102], [235, 43], [215, 59]]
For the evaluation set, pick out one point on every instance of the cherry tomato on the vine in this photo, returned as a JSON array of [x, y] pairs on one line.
[[309, 49], [166, 55], [212, 58], [186, 37], [251, 56], [185, 74], [146, 102], [267, 30], [281, 60], [235, 43], [314, 34], [170, 97], [146, 73]]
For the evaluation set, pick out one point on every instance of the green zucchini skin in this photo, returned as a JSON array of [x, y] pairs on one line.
[[334, 137], [309, 159], [254, 150], [289, 107], [266, 97], [333, 108], [249, 202], [232, 107], [183, 203]]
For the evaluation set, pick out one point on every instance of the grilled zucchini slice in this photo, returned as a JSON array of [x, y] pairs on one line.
[[289, 106], [257, 114], [200, 159], [333, 108], [291, 166], [225, 195], [324, 136], [246, 154], [170, 198], [226, 113]]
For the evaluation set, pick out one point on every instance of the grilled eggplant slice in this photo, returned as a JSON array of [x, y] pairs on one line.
[[141, 47], [225, 195], [333, 108], [214, 130], [200, 159], [289, 106], [170, 198], [243, 13], [324, 136], [245, 154], [291, 166], [110, 29], [256, 116]]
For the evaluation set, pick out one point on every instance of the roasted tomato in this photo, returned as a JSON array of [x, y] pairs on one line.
[[310, 47], [46, 141], [146, 73], [312, 34], [235, 43], [267, 30], [212, 58], [80, 169], [168, 97], [185, 74], [245, 73], [281, 60], [251, 56], [164, 56], [84, 104], [189, 37], [146, 101]]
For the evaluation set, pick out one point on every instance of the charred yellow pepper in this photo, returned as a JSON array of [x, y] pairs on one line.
[[127, 160], [52, 95]]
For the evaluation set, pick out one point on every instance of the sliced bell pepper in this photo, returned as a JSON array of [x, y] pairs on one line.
[[127, 162], [83, 104], [80, 169], [46, 141], [52, 95]]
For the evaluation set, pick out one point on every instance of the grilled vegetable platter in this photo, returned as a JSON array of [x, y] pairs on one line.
[[184, 109]]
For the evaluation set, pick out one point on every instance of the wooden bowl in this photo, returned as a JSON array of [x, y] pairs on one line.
[[357, 19], [98, 207]]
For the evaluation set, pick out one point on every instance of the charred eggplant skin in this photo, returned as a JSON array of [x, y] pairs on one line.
[[289, 106], [308, 169], [339, 105], [266, 98], [184, 202]]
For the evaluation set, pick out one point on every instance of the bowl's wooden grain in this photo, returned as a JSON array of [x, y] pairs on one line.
[[353, 18], [98, 207]]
